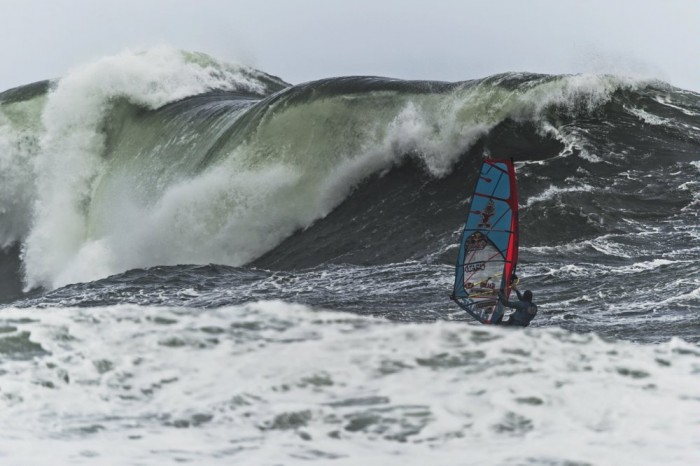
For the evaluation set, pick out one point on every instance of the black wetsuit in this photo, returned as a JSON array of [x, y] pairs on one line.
[[525, 311]]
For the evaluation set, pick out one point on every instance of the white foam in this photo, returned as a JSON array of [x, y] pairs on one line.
[[72, 145], [584, 269], [647, 117], [554, 192], [273, 383], [664, 100], [605, 244]]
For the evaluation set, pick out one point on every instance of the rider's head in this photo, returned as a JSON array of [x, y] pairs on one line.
[[527, 296]]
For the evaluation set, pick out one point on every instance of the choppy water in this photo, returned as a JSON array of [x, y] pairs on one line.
[[274, 383]]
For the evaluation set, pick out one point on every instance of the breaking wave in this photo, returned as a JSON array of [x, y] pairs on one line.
[[162, 157]]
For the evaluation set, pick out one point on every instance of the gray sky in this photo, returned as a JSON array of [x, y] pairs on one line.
[[302, 40]]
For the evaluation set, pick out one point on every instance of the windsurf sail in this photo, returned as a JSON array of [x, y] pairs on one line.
[[488, 252]]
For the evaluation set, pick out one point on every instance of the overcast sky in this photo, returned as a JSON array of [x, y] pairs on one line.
[[302, 40]]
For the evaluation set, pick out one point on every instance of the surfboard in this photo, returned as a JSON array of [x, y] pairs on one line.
[[488, 250]]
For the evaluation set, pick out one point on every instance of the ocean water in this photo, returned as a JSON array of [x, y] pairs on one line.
[[203, 263]]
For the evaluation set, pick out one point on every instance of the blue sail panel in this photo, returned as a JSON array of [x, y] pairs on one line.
[[488, 246]]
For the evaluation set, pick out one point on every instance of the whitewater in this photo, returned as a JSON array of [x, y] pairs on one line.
[[200, 262]]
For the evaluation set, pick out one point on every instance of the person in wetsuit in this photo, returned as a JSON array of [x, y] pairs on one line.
[[525, 309]]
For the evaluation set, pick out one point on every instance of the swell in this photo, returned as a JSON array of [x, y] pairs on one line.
[[224, 165]]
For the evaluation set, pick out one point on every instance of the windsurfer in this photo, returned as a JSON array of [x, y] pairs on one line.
[[525, 309]]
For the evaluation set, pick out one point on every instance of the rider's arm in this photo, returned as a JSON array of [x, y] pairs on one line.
[[517, 291], [506, 303]]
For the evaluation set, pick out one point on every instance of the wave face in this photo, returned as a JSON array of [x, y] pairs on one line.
[[164, 157]]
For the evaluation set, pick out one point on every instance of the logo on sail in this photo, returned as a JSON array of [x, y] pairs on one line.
[[487, 213], [475, 267]]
